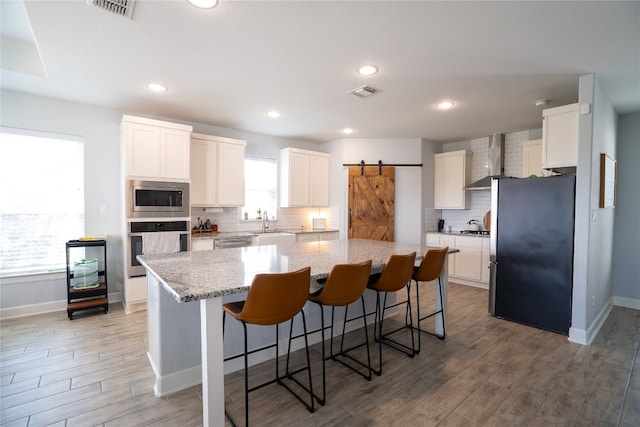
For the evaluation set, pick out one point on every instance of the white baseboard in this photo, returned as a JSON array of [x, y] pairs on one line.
[[466, 282], [133, 307], [45, 307], [580, 336], [633, 303], [176, 381]]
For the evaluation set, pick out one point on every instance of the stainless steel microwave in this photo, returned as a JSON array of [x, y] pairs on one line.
[[149, 199]]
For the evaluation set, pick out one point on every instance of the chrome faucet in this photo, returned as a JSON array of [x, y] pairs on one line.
[[265, 222]]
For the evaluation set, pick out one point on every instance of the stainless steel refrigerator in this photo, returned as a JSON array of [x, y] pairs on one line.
[[531, 259]]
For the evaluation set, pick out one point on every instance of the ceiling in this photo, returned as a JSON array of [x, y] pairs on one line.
[[228, 66]]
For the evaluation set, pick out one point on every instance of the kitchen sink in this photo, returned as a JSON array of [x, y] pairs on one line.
[[274, 238]]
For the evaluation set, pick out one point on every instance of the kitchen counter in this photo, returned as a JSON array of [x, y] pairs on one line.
[[186, 290]]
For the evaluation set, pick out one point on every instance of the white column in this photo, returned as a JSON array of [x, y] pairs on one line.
[[212, 362]]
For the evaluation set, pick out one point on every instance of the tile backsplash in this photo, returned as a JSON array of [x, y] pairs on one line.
[[230, 219]]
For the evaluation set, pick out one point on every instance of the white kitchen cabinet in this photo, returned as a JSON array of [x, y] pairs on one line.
[[217, 171], [304, 178], [486, 245], [469, 259], [560, 136], [450, 241], [532, 158], [470, 265], [155, 149], [452, 172], [316, 237], [201, 245]]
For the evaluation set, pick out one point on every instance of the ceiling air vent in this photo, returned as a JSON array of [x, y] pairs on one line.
[[364, 91], [117, 7]]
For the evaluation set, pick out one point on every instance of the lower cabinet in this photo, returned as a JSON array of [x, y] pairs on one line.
[[472, 262], [469, 260], [316, 237], [201, 245]]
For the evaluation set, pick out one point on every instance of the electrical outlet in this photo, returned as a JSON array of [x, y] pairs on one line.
[[593, 301], [103, 209], [594, 215]]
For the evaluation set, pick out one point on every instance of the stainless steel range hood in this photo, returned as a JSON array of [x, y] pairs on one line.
[[495, 163]]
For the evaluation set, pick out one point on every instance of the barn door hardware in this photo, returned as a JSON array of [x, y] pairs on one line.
[[362, 164]]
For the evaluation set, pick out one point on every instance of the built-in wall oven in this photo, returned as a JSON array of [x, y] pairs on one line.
[[157, 199], [152, 237]]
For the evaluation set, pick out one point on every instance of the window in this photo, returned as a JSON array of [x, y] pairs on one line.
[[42, 188], [260, 180]]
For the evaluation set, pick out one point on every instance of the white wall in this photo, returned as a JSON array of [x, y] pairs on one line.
[[593, 248], [100, 130], [626, 241], [408, 180]]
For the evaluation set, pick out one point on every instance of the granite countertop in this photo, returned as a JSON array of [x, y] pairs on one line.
[[235, 234], [190, 276]]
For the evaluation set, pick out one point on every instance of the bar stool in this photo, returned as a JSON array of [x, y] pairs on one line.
[[273, 299], [395, 276], [430, 269], [345, 284]]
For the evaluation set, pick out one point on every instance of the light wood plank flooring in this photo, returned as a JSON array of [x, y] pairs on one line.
[[488, 372]]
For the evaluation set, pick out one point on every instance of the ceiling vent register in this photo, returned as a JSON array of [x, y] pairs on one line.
[[117, 7], [364, 91]]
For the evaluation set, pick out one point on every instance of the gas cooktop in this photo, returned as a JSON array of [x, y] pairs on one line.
[[477, 232]]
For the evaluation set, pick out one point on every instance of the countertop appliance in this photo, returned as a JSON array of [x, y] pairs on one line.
[[531, 255]]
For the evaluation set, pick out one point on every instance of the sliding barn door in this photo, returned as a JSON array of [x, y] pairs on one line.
[[371, 203]]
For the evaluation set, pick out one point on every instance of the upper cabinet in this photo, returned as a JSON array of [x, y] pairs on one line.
[[451, 174], [217, 171], [155, 149], [532, 158], [560, 136], [304, 178]]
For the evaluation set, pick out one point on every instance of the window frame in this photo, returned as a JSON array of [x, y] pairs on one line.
[[56, 270], [272, 211]]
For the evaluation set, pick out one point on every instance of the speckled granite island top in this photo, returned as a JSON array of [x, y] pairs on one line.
[[190, 276]]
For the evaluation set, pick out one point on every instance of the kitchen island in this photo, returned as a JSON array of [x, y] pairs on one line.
[[185, 297]]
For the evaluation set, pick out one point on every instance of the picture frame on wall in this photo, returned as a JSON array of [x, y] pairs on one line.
[[607, 181]]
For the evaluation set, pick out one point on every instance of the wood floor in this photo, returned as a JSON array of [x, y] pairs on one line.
[[93, 371]]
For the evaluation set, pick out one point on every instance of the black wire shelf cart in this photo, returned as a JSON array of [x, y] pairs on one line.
[[86, 295]]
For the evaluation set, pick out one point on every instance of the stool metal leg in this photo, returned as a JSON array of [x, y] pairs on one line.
[[420, 318]]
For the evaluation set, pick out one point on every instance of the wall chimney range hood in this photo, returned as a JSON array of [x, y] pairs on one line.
[[495, 163]]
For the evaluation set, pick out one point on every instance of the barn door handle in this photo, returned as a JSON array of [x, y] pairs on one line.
[[349, 220]]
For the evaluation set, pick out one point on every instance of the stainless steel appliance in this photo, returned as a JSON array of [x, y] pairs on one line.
[[138, 230], [151, 199], [531, 255], [233, 242]]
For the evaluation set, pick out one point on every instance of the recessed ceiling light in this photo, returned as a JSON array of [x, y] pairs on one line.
[[347, 131], [367, 70], [157, 87], [274, 114], [204, 4], [445, 105]]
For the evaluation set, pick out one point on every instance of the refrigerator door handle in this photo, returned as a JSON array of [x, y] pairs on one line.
[[493, 264]]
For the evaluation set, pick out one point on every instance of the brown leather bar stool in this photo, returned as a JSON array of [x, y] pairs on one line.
[[395, 276], [345, 284], [273, 299], [429, 270]]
